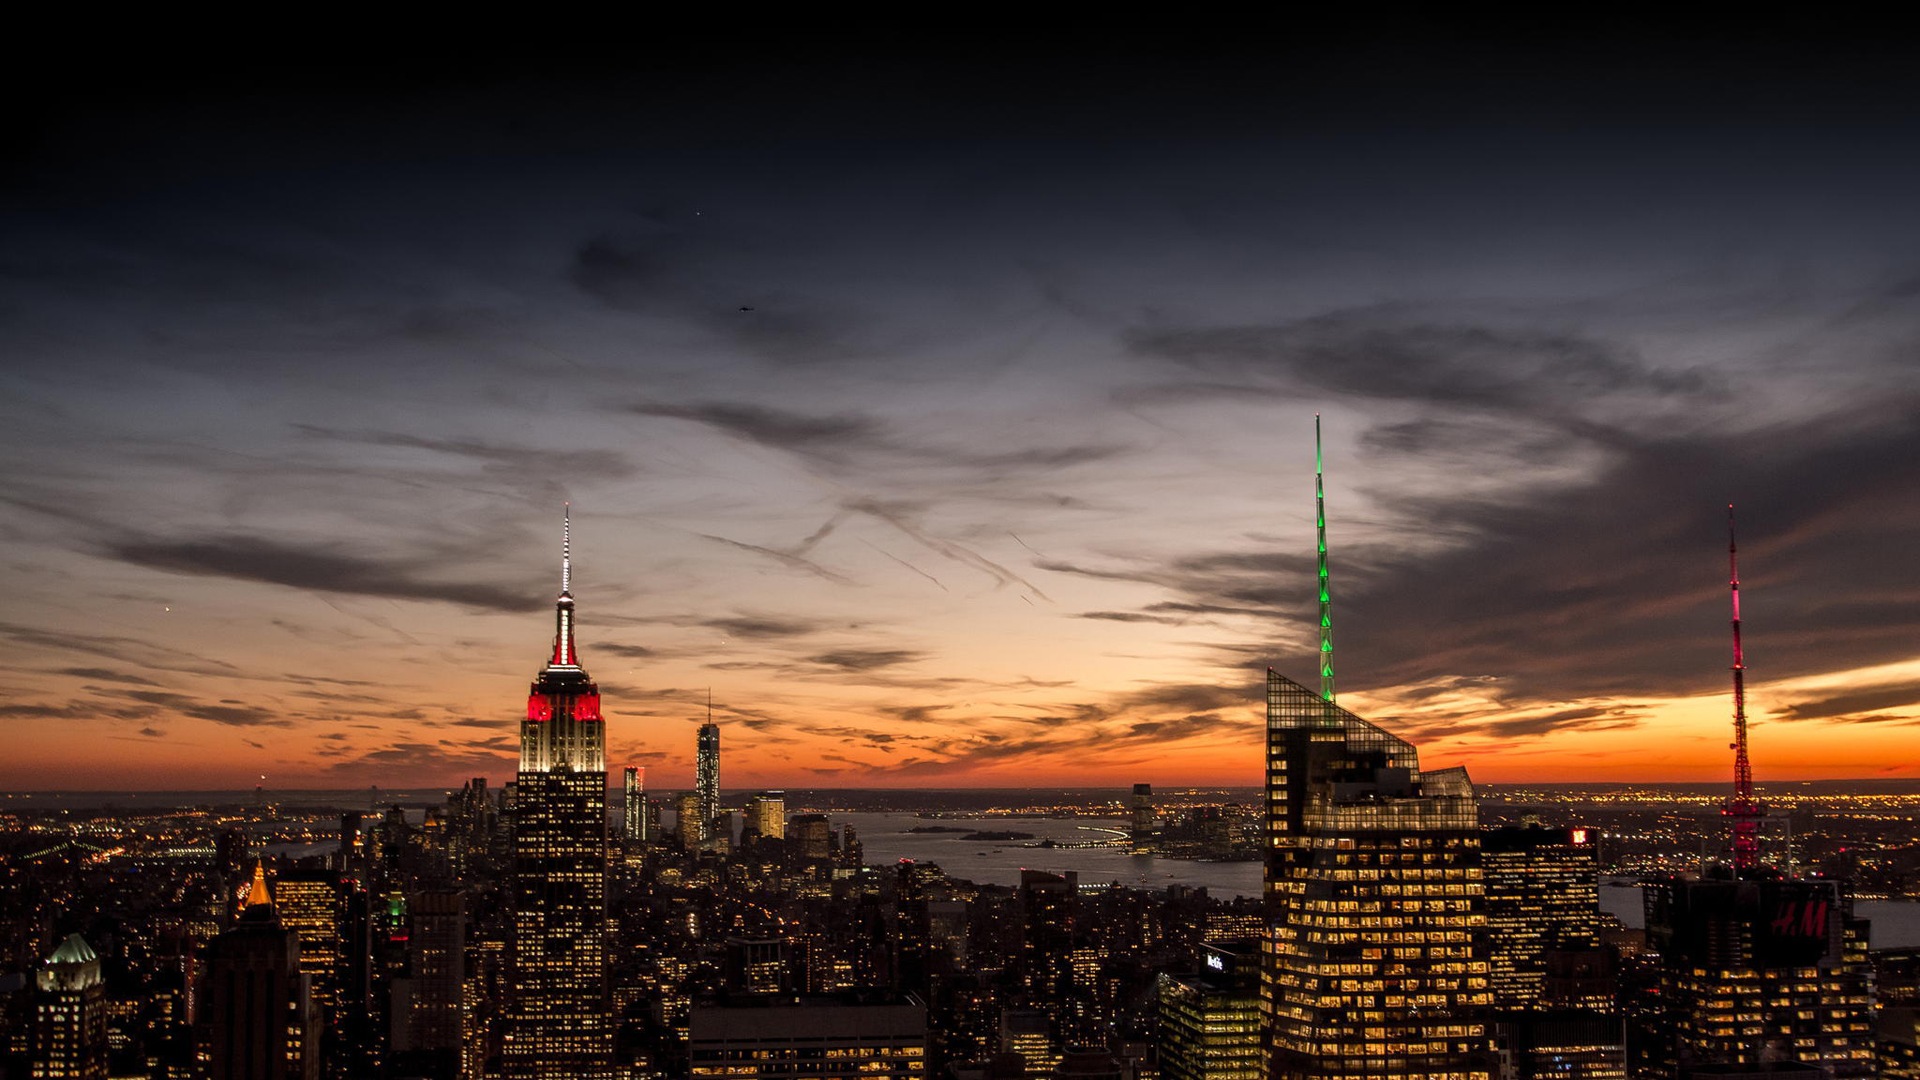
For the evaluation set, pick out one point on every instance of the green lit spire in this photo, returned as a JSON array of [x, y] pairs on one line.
[[1326, 597]]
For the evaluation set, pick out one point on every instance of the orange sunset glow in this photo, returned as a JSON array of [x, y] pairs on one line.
[[954, 439]]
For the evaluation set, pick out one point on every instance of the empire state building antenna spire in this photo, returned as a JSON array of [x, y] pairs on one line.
[[565, 653]]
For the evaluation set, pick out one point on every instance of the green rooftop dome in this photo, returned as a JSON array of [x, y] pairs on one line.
[[74, 950]]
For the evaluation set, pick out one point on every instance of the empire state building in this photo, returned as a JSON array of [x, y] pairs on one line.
[[558, 1019]]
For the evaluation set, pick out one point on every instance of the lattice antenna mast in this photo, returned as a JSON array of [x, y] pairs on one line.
[[564, 654], [1326, 597], [1742, 809]]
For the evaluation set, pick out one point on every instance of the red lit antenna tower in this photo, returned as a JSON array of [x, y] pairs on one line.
[[1741, 808]]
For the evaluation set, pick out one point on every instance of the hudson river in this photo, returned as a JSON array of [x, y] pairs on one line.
[[886, 839]]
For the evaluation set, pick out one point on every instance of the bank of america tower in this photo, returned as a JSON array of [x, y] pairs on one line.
[[1375, 959], [558, 1019]]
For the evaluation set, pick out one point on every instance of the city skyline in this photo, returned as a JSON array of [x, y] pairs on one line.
[[949, 443]]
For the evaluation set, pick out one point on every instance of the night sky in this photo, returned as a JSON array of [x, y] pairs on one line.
[[944, 405]]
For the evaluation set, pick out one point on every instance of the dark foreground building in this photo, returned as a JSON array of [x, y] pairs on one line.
[[258, 1020], [763, 1037], [1755, 973]]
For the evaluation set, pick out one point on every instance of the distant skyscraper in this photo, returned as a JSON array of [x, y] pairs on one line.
[[706, 781], [692, 826], [633, 806], [1209, 1025], [1555, 987], [559, 1012], [309, 903], [258, 1020], [70, 1015], [429, 1003], [812, 835], [350, 843], [769, 815], [1049, 912], [1141, 810], [1029, 1033], [1543, 902]]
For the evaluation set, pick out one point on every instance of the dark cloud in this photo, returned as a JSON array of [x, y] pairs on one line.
[[1847, 706], [1394, 354], [414, 760], [826, 436], [35, 711], [1586, 718], [295, 677], [845, 440], [915, 714], [107, 675], [314, 567], [229, 712], [1228, 583], [762, 627], [1130, 616], [1165, 731], [1105, 730], [865, 659], [136, 652], [636, 652], [1488, 444], [1192, 697]]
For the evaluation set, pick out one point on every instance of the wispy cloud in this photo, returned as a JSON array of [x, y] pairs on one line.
[[231, 713], [315, 567], [530, 463]]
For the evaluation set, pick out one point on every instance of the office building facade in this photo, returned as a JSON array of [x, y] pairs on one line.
[[1375, 960], [1209, 1022]]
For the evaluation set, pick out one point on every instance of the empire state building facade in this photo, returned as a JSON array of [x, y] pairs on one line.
[[559, 1022]]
